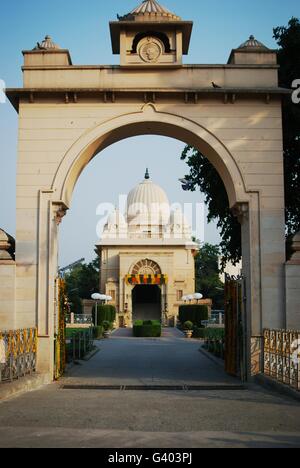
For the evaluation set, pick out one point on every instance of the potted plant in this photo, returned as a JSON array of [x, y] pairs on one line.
[[107, 329], [188, 329]]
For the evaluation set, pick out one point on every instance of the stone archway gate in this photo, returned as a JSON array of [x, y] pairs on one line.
[[68, 114]]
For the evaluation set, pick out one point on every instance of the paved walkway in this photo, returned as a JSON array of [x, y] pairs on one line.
[[170, 360], [56, 417]]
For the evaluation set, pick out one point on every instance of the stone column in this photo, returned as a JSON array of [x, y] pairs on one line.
[[50, 217], [7, 282], [247, 215], [292, 285]]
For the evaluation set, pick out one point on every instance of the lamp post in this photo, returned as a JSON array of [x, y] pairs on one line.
[[198, 297], [97, 297]]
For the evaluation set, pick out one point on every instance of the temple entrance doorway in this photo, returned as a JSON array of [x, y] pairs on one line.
[[146, 302]]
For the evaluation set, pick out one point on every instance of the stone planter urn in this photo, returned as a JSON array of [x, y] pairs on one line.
[[188, 333], [106, 334]]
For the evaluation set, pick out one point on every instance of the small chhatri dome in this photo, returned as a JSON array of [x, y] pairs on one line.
[[151, 10], [253, 44], [47, 44], [116, 218]]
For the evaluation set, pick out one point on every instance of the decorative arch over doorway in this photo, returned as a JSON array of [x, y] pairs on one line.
[[146, 267]]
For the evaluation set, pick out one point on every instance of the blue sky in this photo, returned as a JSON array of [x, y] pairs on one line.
[[82, 27]]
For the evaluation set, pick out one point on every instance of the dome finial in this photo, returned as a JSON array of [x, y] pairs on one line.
[[147, 175]]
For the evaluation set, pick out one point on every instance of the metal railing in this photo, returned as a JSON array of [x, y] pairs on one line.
[[217, 317], [282, 356], [79, 344], [17, 354], [79, 319]]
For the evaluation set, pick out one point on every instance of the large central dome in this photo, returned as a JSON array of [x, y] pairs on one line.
[[148, 204], [148, 217]]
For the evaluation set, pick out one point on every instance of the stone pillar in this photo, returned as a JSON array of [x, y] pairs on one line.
[[247, 214], [7, 282], [292, 285], [50, 216]]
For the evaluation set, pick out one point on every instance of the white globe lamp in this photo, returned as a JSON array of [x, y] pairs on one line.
[[198, 296]]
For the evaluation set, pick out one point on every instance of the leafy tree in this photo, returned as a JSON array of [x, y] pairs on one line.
[[208, 275], [204, 175], [82, 281], [288, 38]]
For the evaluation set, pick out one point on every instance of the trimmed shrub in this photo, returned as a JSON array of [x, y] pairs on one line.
[[199, 333], [105, 313], [147, 329], [210, 334], [214, 340], [215, 334], [138, 323], [188, 326], [193, 313], [106, 325], [98, 332], [83, 340]]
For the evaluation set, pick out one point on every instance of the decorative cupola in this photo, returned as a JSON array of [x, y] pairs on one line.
[[47, 53], [253, 52], [7, 247], [116, 226], [150, 36]]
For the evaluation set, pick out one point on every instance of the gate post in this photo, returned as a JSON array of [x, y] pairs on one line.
[[50, 216], [292, 286], [7, 283], [236, 336], [248, 216]]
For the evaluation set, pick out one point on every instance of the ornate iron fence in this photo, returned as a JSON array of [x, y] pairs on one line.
[[17, 354], [217, 317], [282, 356]]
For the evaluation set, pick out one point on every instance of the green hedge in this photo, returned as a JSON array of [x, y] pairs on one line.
[[214, 340], [105, 313], [210, 334], [193, 313], [147, 329], [75, 331], [82, 345], [98, 332]]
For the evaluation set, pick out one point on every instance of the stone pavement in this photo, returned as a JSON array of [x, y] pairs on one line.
[[170, 360], [56, 417]]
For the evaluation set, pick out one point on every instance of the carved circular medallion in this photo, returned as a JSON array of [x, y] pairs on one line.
[[150, 50], [146, 267], [146, 271]]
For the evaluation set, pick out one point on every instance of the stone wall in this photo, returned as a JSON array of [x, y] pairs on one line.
[[8, 282]]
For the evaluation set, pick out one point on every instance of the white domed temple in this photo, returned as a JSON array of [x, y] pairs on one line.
[[147, 257]]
